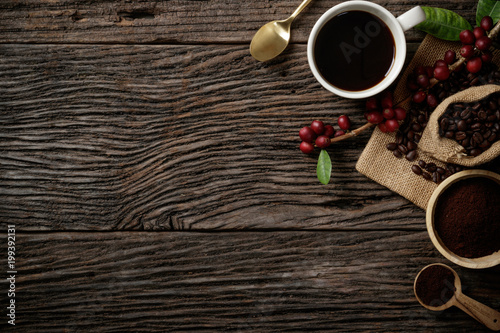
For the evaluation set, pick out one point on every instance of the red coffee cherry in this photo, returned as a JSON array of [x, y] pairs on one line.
[[467, 51], [318, 127], [487, 56], [323, 141], [450, 56], [388, 113], [483, 43], [423, 80], [442, 73], [419, 96], [329, 131], [382, 128], [339, 133], [440, 63], [307, 134], [400, 113], [467, 37], [374, 117], [391, 125], [344, 122], [478, 32], [432, 101], [486, 23], [474, 65], [306, 147]]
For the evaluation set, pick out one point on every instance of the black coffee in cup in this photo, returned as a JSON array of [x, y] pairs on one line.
[[354, 50]]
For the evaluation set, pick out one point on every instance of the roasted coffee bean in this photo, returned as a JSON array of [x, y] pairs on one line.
[[465, 114], [435, 177], [451, 168], [416, 127], [493, 105], [422, 163], [411, 145], [426, 175], [403, 149], [449, 134], [417, 137], [397, 153], [482, 115], [486, 134], [460, 136], [391, 146], [462, 125], [411, 156], [476, 127], [492, 137], [421, 120], [399, 138], [410, 135], [431, 167], [416, 169], [485, 144], [440, 170], [475, 152], [477, 137], [465, 142], [491, 118]]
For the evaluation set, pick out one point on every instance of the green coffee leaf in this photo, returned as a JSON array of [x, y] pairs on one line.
[[324, 168], [443, 23], [488, 8]]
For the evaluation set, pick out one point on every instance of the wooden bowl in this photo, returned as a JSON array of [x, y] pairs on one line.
[[482, 262]]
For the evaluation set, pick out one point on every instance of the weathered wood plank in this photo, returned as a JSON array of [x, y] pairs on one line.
[[175, 137], [170, 22], [243, 281]]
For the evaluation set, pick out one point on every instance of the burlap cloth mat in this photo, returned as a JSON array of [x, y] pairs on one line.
[[378, 163]]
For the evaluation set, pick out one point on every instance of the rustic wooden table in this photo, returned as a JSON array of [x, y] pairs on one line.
[[150, 168]]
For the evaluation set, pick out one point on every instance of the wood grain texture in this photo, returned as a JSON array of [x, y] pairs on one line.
[[101, 137], [171, 22], [233, 281]]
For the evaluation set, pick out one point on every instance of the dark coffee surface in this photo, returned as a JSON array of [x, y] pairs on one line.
[[435, 285], [354, 50], [467, 217]]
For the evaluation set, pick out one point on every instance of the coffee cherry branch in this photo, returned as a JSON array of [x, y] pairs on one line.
[[352, 133]]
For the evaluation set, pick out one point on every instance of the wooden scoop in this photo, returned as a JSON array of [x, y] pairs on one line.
[[485, 315]]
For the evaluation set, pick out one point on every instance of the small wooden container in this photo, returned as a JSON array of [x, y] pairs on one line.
[[477, 263]]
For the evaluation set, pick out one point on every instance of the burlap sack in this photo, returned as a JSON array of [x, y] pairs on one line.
[[378, 163], [450, 151]]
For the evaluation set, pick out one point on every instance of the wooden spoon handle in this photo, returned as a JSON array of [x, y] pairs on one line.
[[482, 313]]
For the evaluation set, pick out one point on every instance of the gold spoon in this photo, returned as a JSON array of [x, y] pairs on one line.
[[485, 315], [273, 37]]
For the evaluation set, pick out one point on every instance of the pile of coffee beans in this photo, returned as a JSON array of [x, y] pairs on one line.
[[410, 131], [430, 171], [474, 126]]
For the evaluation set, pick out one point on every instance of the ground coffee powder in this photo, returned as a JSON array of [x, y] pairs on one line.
[[467, 217], [435, 285]]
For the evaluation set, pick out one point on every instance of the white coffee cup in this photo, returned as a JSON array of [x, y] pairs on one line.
[[397, 27]]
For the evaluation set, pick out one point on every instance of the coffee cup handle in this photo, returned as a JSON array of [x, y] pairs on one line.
[[411, 18]]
